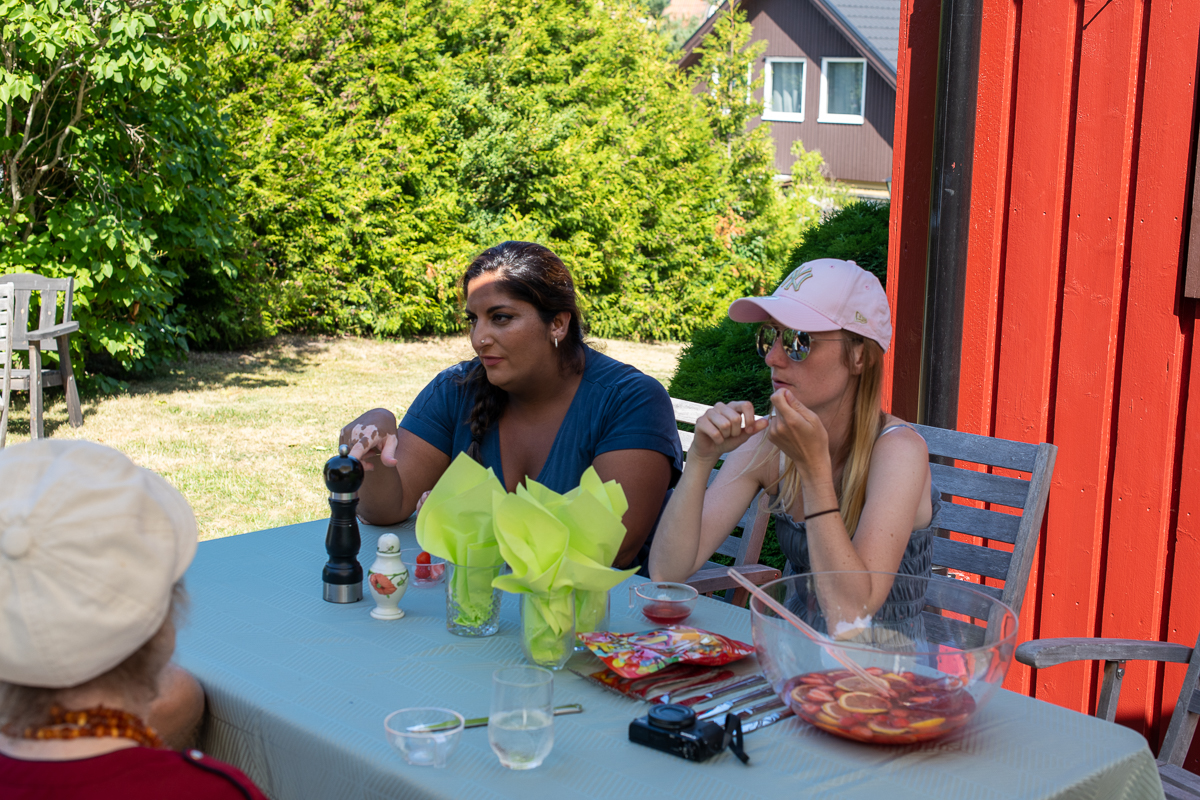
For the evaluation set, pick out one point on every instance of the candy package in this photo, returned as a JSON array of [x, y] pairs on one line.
[[634, 655]]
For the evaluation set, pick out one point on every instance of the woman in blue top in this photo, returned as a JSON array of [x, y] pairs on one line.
[[536, 402], [851, 484]]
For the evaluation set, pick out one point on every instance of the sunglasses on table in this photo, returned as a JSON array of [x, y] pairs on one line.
[[796, 344]]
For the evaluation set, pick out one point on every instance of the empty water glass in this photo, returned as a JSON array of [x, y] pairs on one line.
[[521, 722]]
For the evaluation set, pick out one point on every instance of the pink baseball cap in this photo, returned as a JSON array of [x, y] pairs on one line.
[[824, 295]]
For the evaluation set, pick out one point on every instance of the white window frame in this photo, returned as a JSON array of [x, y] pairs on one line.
[[768, 74], [841, 119]]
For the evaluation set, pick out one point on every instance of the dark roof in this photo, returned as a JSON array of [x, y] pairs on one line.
[[877, 22], [872, 26]]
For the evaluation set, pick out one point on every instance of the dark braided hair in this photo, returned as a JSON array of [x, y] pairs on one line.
[[533, 273]]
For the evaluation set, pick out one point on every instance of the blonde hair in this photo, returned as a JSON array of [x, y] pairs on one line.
[[865, 425]]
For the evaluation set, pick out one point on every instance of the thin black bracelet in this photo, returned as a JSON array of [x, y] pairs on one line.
[[822, 513]]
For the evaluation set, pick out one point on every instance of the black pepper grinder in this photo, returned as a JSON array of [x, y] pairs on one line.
[[343, 574]]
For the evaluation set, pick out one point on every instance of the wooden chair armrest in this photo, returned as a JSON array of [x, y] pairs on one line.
[[715, 579], [1052, 652], [52, 332]]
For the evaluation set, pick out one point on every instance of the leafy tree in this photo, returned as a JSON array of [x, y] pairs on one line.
[[110, 162]]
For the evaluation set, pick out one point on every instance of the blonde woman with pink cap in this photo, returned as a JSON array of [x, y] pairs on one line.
[[850, 485]]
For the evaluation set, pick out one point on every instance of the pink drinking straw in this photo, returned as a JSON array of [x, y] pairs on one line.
[[811, 633]]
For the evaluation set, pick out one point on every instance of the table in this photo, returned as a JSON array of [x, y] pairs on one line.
[[298, 689]]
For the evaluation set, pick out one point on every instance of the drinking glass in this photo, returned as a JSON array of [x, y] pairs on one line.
[[663, 602], [521, 722], [548, 628], [472, 605]]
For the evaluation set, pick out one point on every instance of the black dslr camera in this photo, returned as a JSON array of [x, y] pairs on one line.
[[674, 729]]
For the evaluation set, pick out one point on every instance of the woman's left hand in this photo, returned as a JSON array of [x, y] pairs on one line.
[[799, 433]]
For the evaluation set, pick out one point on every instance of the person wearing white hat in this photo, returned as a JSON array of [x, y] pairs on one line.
[[92, 554], [851, 487]]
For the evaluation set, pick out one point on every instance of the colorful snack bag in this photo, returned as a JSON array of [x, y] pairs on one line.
[[634, 655]]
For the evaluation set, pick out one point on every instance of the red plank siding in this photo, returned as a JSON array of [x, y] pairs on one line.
[[1042, 132], [1090, 326], [1152, 366], [1074, 327]]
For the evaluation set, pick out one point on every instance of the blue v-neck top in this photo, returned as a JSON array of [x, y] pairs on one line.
[[616, 407]]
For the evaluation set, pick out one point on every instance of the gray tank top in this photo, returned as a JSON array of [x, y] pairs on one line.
[[902, 608]]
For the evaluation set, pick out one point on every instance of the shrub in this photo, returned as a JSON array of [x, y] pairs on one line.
[[857, 232]]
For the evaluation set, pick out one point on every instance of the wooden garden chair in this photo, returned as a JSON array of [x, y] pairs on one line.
[[744, 549], [50, 332], [1026, 496], [1177, 782], [6, 320]]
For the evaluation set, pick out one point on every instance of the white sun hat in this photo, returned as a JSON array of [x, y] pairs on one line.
[[91, 546]]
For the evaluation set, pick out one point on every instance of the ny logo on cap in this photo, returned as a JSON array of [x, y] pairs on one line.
[[796, 279]]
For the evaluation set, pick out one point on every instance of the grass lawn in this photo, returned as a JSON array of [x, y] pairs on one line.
[[244, 435]]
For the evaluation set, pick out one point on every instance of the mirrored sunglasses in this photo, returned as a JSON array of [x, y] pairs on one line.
[[796, 344]]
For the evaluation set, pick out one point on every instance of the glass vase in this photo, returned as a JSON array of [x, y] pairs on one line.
[[591, 613], [548, 628], [472, 605]]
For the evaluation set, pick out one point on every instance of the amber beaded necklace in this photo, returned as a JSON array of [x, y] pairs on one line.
[[97, 722]]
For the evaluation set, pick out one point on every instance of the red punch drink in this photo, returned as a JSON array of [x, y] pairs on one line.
[[666, 613], [916, 708]]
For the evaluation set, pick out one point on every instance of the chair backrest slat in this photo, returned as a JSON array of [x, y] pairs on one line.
[[992, 525], [1020, 456], [953, 632], [972, 558], [982, 486]]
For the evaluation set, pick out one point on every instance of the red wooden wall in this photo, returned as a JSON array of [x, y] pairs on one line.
[[1075, 330]]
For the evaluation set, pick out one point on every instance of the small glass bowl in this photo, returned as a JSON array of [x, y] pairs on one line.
[[426, 736], [423, 575], [663, 602]]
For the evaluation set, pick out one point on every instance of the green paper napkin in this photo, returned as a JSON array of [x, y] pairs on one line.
[[455, 523], [555, 543]]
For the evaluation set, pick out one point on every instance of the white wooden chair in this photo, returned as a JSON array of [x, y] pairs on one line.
[[1177, 782], [50, 332], [744, 549], [6, 323]]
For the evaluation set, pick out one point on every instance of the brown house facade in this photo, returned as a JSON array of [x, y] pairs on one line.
[[829, 81]]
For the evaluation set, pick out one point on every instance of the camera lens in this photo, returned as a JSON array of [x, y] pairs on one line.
[[671, 717]]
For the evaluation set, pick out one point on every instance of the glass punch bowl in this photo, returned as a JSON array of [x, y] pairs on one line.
[[916, 669]]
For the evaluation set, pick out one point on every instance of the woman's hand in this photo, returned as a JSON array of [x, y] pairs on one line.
[[371, 436], [799, 433], [724, 428]]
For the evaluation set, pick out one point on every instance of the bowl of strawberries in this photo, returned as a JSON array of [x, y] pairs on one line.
[[909, 671], [424, 568]]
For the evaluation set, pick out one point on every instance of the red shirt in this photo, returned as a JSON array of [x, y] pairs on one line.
[[123, 774]]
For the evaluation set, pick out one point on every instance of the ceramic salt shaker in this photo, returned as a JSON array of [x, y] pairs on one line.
[[388, 578]]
